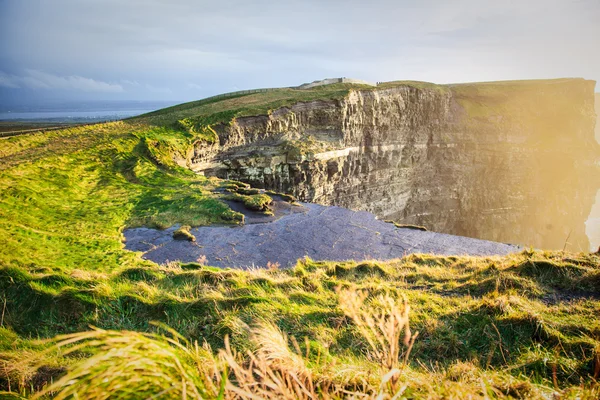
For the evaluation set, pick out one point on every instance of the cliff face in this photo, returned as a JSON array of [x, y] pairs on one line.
[[598, 117], [593, 222], [511, 162]]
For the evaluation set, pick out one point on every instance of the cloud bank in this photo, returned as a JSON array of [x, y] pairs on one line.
[[185, 49], [34, 79]]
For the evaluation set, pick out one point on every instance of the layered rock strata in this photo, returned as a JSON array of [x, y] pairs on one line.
[[513, 162]]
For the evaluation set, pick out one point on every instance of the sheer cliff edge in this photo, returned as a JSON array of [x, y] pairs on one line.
[[514, 162]]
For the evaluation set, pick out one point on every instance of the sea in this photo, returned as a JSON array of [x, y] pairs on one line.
[[79, 112]]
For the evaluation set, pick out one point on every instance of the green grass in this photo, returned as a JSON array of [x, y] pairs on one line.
[[212, 111], [255, 202], [243, 104], [65, 196], [183, 233], [523, 326], [414, 84], [516, 320]]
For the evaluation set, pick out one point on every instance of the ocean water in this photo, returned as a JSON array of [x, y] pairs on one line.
[[90, 111]]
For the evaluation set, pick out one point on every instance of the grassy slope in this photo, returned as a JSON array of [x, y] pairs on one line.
[[65, 196], [506, 320], [223, 110], [213, 110]]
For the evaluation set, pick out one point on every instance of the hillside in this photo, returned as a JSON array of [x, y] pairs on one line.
[[521, 325]]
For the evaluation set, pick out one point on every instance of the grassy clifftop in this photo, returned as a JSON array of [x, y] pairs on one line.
[[240, 104], [223, 109], [519, 326], [66, 195]]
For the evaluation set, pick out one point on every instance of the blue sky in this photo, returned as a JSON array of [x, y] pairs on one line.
[[190, 49]]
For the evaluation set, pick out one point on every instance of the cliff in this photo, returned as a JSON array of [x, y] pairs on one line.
[[507, 161], [593, 222], [597, 117]]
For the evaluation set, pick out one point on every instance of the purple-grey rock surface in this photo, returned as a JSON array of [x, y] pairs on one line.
[[319, 232]]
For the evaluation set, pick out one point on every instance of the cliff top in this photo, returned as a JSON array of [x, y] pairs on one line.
[[488, 324], [224, 107]]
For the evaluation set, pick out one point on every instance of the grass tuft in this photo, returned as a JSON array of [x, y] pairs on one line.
[[255, 202], [183, 233]]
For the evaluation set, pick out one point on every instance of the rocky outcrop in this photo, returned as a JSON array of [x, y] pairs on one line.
[[301, 230], [512, 162]]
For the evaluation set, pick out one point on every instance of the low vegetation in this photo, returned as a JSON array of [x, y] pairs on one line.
[[255, 202], [65, 196], [183, 233], [83, 318], [285, 197], [414, 84], [518, 326], [223, 110], [201, 113]]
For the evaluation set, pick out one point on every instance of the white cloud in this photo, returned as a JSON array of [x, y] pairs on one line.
[[35, 79], [130, 83], [76, 82], [8, 81], [157, 89], [194, 86]]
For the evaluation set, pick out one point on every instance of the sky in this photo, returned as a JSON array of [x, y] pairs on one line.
[[189, 49]]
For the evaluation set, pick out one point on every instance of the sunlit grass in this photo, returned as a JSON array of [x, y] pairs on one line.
[[519, 322], [524, 325], [66, 196]]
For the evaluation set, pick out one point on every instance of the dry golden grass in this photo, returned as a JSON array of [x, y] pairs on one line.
[[511, 327], [125, 364]]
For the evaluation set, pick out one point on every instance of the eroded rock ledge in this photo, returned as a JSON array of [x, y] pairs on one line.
[[312, 230], [511, 162]]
